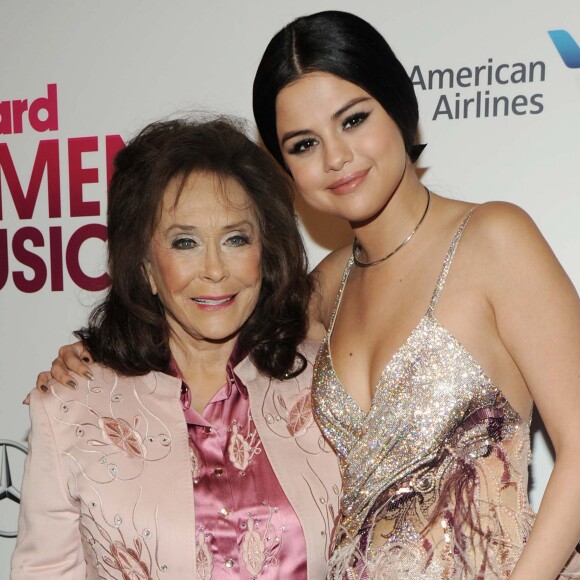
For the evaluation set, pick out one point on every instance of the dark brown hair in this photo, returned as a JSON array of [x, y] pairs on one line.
[[346, 46], [128, 330]]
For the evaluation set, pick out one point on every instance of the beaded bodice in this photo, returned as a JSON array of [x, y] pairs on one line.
[[435, 474]]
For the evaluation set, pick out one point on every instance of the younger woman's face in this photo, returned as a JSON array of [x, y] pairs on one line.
[[345, 153]]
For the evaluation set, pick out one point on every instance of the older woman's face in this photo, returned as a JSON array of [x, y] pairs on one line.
[[204, 260]]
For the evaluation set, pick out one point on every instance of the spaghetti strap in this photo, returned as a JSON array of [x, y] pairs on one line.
[[447, 263], [339, 296]]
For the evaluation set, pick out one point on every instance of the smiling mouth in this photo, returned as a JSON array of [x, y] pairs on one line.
[[349, 182], [213, 301], [217, 301]]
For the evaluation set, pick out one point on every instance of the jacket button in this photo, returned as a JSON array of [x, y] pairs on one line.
[[218, 471], [229, 563]]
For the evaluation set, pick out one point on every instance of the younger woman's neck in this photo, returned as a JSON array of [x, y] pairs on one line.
[[397, 219]]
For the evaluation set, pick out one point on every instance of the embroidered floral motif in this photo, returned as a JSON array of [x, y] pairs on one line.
[[194, 460], [204, 558], [241, 448], [128, 561], [261, 552], [134, 563], [119, 433], [253, 550], [300, 415], [288, 414]]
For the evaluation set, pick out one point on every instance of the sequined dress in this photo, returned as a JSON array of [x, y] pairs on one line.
[[435, 475]]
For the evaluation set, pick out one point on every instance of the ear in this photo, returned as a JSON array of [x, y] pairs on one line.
[[147, 269]]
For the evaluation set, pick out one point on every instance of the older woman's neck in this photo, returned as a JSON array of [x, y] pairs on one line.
[[203, 365]]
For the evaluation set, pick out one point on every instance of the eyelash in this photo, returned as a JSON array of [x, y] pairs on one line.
[[355, 120], [236, 241], [180, 243], [245, 240], [349, 123]]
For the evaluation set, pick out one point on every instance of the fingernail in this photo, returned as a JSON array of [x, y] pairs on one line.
[[86, 359], [44, 388], [89, 375], [71, 384]]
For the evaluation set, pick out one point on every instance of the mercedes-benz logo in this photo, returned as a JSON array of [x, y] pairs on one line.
[[12, 456]]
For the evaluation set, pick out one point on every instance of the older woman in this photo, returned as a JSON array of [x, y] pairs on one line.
[[189, 451]]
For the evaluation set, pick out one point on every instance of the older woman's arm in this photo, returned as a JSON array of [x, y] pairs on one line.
[[49, 540]]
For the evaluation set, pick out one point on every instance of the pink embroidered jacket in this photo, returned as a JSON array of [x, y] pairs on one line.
[[108, 492]]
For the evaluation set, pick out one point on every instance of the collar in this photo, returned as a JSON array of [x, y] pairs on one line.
[[232, 379]]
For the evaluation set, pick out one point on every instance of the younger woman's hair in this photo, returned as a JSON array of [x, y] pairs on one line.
[[346, 46], [128, 330]]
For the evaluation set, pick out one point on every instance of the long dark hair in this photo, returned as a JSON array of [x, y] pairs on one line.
[[346, 46], [128, 330]]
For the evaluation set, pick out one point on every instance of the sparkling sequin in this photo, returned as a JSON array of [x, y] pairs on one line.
[[435, 474]]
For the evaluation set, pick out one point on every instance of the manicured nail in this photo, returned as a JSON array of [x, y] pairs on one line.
[[86, 359], [89, 375], [44, 388], [71, 384]]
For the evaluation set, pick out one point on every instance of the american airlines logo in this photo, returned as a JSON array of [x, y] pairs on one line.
[[567, 47]]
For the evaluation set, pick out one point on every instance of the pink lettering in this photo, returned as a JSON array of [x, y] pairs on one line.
[[28, 258], [50, 105], [46, 161], [79, 175], [72, 257]]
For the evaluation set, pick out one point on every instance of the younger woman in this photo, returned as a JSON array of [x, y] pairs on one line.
[[445, 323]]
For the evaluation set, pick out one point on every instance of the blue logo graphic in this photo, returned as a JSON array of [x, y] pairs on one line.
[[567, 47]]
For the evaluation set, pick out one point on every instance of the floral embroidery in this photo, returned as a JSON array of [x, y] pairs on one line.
[[119, 433], [204, 558], [134, 563], [260, 552], [253, 550], [287, 411], [300, 415], [128, 561], [241, 449], [194, 460]]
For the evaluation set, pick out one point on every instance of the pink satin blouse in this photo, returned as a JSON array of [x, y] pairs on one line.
[[245, 525]]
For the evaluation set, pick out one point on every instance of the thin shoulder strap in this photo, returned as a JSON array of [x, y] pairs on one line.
[[339, 295], [447, 263]]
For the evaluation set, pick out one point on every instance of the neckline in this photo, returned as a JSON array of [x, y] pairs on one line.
[[429, 317]]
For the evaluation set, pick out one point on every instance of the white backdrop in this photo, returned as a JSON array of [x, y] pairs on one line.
[[106, 68]]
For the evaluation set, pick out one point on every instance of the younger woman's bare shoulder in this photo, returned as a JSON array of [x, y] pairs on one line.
[[327, 276], [500, 224]]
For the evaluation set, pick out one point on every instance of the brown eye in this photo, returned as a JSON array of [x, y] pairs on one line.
[[354, 120], [303, 145]]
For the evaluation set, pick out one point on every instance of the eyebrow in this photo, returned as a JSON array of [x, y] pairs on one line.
[[226, 228], [333, 117]]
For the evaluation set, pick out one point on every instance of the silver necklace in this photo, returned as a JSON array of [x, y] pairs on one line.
[[356, 248]]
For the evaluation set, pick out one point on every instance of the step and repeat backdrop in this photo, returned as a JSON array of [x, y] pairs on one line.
[[499, 92]]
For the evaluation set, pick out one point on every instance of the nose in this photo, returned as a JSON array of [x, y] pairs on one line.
[[337, 154], [214, 267]]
